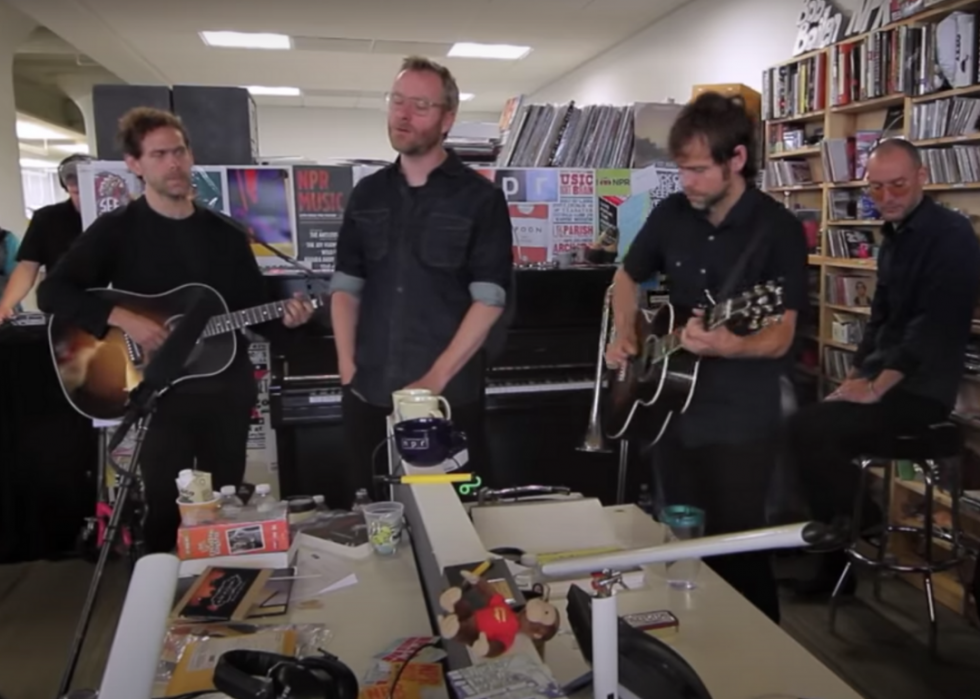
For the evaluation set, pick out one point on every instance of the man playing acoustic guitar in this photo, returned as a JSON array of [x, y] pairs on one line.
[[154, 244], [719, 454]]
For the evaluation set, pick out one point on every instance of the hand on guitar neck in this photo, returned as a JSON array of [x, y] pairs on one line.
[[147, 333]]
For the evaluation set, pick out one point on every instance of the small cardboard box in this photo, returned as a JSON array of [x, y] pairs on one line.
[[233, 538]]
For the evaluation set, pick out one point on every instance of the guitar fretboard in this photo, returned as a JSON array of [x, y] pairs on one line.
[[236, 320]]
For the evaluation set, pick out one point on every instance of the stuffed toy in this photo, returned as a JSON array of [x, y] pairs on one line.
[[490, 628]]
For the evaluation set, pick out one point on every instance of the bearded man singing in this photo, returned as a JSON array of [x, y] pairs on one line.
[[423, 271]]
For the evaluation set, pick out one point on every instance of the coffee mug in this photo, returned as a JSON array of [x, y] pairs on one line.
[[413, 403], [428, 441]]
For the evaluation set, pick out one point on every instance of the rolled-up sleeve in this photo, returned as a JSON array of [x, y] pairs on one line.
[[491, 261], [349, 269]]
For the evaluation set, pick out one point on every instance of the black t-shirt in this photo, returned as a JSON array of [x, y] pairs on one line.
[[136, 249], [735, 400], [51, 232]]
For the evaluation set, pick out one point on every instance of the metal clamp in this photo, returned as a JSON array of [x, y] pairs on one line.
[[604, 582]]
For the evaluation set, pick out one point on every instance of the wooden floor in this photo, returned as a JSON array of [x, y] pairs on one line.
[[879, 649]]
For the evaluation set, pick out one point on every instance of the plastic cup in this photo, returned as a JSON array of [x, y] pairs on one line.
[[194, 514], [384, 525], [683, 523]]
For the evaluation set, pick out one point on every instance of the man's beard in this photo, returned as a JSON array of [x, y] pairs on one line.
[[167, 188], [710, 202], [420, 143]]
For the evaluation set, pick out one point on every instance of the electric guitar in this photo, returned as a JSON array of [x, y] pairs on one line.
[[97, 375], [643, 395]]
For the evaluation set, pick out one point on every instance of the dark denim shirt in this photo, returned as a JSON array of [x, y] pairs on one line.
[[735, 400], [417, 258], [928, 281]]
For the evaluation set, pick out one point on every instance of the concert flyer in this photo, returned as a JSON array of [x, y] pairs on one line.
[[320, 196]]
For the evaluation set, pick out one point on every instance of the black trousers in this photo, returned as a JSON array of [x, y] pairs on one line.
[[365, 433], [730, 482], [824, 439], [206, 430]]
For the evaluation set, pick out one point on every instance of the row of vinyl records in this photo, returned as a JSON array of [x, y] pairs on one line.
[[837, 363], [851, 244], [944, 118], [795, 89], [910, 59], [563, 135], [955, 165]]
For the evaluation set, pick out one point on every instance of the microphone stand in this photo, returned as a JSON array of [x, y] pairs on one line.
[[143, 404]]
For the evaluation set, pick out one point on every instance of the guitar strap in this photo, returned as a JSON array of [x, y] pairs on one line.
[[736, 272]]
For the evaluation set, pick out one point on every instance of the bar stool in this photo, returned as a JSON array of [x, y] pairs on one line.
[[940, 442]]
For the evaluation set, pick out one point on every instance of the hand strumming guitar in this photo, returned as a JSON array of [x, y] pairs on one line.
[[147, 333], [621, 349]]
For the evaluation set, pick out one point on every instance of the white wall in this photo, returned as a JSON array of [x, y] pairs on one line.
[[702, 42], [323, 134]]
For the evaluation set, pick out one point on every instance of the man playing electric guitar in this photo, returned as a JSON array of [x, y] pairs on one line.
[[720, 453], [158, 242]]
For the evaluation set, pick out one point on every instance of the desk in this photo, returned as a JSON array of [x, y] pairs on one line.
[[737, 650], [387, 589]]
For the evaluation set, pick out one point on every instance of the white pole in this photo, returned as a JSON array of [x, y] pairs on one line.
[[605, 647]]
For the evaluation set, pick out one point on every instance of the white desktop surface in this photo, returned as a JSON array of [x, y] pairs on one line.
[[386, 604], [738, 652]]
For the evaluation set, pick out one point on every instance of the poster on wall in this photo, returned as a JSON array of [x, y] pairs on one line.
[[320, 196], [104, 186], [624, 204], [210, 185], [573, 216], [259, 198]]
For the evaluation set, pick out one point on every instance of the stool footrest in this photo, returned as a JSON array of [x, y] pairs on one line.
[[893, 567]]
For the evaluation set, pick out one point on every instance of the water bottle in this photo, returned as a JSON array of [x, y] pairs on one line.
[[361, 499], [265, 504], [231, 505], [645, 501]]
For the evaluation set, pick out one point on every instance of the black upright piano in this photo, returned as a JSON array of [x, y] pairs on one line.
[[539, 392]]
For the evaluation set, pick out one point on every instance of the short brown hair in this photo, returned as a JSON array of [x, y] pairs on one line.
[[450, 90], [135, 124], [724, 124]]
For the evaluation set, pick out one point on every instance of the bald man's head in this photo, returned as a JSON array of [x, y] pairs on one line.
[[895, 177]]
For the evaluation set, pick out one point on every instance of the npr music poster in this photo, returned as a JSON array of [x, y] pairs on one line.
[[320, 194], [552, 210]]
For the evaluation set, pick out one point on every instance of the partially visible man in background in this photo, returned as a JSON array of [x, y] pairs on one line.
[[423, 275], [51, 232]]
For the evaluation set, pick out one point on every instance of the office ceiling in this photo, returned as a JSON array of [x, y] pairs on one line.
[[345, 51]]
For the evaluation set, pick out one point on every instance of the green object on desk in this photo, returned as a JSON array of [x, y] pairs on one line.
[[467, 488]]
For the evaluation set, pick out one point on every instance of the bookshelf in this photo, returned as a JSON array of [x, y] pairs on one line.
[[822, 113]]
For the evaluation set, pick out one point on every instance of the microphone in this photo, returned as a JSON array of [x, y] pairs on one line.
[[166, 366]]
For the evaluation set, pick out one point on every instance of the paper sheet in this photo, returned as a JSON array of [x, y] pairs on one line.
[[318, 573]]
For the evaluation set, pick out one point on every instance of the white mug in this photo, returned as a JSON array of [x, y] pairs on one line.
[[419, 402]]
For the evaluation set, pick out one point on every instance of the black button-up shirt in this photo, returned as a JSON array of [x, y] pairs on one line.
[[735, 400], [417, 258], [928, 281]]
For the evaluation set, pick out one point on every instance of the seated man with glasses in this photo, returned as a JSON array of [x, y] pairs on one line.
[[906, 371]]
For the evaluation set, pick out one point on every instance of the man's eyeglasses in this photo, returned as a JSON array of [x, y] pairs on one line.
[[895, 188], [419, 105]]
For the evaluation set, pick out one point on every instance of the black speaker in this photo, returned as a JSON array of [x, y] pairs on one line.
[[221, 122], [110, 102]]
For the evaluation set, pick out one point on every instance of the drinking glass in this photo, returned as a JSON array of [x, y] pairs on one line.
[[683, 523], [384, 525]]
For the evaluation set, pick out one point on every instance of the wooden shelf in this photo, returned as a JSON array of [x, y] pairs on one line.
[[842, 121]]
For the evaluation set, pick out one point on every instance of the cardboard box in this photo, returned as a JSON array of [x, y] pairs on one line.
[[233, 538]]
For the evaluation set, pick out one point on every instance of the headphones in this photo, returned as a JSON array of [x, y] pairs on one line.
[[247, 674]]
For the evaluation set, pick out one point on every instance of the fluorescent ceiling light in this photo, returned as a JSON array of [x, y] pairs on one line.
[[274, 91], [38, 164], [504, 52], [466, 96], [31, 131], [71, 147], [247, 40]]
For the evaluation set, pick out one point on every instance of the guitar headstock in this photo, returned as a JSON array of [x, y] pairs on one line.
[[755, 308]]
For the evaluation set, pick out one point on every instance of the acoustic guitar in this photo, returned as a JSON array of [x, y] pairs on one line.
[[644, 394], [97, 375]]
